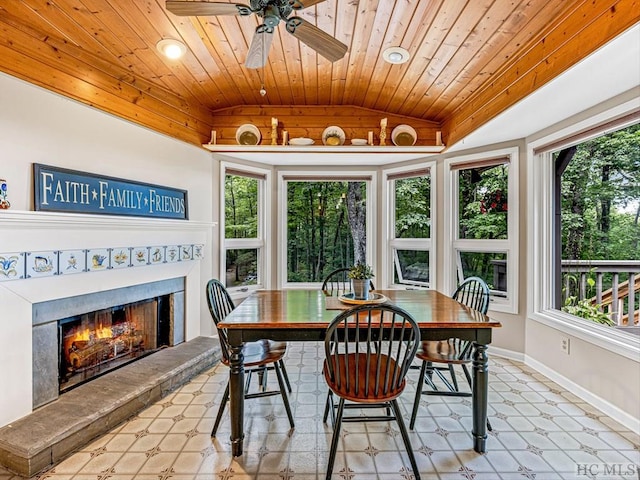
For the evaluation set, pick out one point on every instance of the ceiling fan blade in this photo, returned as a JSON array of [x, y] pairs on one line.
[[323, 43], [182, 8], [260, 46], [300, 4]]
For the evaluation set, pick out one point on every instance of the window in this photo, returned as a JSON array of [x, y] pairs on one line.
[[545, 231], [244, 253], [598, 195], [325, 224], [482, 193], [408, 257]]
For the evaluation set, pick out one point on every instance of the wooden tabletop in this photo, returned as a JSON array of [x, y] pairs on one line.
[[308, 309]]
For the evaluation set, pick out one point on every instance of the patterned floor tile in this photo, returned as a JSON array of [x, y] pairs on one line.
[[540, 432]]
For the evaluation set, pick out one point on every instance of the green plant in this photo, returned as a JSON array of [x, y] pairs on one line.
[[585, 309], [360, 271]]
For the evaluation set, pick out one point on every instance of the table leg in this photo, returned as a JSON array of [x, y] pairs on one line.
[[236, 398], [480, 397]]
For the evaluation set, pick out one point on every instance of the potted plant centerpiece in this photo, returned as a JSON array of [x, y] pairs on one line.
[[361, 275]]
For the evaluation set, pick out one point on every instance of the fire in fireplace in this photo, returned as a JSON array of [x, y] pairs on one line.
[[94, 343]]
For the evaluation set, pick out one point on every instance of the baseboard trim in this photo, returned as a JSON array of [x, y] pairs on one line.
[[601, 404]]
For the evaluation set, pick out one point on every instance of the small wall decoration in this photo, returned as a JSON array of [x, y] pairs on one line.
[[186, 252], [156, 255], [97, 259], [42, 264], [62, 190], [172, 253], [120, 257], [4, 202], [11, 266], [72, 261], [140, 256]]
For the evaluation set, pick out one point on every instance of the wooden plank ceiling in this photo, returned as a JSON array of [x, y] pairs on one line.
[[470, 60]]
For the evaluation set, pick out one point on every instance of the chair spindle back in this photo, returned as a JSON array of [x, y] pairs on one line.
[[220, 305], [369, 350], [474, 293]]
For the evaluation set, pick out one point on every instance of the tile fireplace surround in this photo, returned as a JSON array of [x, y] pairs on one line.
[[45, 325]]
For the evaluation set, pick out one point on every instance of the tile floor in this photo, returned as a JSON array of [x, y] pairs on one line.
[[541, 431]]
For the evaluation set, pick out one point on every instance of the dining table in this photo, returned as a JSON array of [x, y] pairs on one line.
[[304, 315]]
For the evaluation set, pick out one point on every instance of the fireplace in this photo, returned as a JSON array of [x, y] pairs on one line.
[[77, 339], [97, 342]]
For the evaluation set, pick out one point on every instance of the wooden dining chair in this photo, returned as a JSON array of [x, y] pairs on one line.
[[338, 282], [368, 352], [259, 357], [440, 356]]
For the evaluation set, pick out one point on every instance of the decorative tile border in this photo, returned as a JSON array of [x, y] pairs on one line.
[[47, 263]]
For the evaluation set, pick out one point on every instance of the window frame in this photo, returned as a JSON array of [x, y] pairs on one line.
[[391, 244], [541, 261], [260, 243], [319, 176], [509, 246]]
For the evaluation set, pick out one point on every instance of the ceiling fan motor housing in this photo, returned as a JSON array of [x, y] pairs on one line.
[[279, 9]]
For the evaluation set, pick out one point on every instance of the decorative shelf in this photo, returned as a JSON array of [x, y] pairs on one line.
[[369, 155]]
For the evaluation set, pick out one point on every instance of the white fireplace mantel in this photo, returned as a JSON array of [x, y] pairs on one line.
[[29, 219], [30, 231]]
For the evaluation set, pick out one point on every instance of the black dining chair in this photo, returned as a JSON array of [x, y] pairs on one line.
[[259, 357], [338, 282], [440, 356], [368, 352]]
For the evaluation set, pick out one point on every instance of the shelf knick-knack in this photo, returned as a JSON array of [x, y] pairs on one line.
[[274, 131], [383, 132], [4, 202]]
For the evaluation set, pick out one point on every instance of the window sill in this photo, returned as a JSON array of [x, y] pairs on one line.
[[609, 338]]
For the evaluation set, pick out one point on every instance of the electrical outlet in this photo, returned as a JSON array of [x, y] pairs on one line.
[[565, 344]]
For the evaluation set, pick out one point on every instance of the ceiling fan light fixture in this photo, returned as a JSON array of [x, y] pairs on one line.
[[396, 55], [171, 48]]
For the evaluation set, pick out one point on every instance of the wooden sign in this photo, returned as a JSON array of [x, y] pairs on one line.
[[62, 190]]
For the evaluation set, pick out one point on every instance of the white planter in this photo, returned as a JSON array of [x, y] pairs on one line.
[[361, 288]]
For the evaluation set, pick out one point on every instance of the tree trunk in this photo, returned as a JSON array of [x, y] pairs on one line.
[[356, 213], [235, 222], [575, 235], [322, 205], [605, 203]]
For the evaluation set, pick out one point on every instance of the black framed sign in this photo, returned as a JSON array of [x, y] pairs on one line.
[[62, 190]]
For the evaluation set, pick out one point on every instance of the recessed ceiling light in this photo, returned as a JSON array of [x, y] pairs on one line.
[[396, 55], [171, 48]]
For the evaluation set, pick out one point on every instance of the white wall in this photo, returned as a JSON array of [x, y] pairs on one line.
[[37, 126]]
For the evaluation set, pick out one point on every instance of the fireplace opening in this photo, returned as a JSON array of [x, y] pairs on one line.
[[94, 343]]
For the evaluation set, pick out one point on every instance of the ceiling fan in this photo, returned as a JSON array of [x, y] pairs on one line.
[[271, 12]]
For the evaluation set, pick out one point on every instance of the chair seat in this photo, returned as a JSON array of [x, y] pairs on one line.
[[442, 351], [352, 385], [261, 352]]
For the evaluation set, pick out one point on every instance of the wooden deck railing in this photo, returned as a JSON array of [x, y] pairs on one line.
[[605, 283]]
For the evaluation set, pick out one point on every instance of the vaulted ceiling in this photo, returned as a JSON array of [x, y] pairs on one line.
[[470, 60]]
